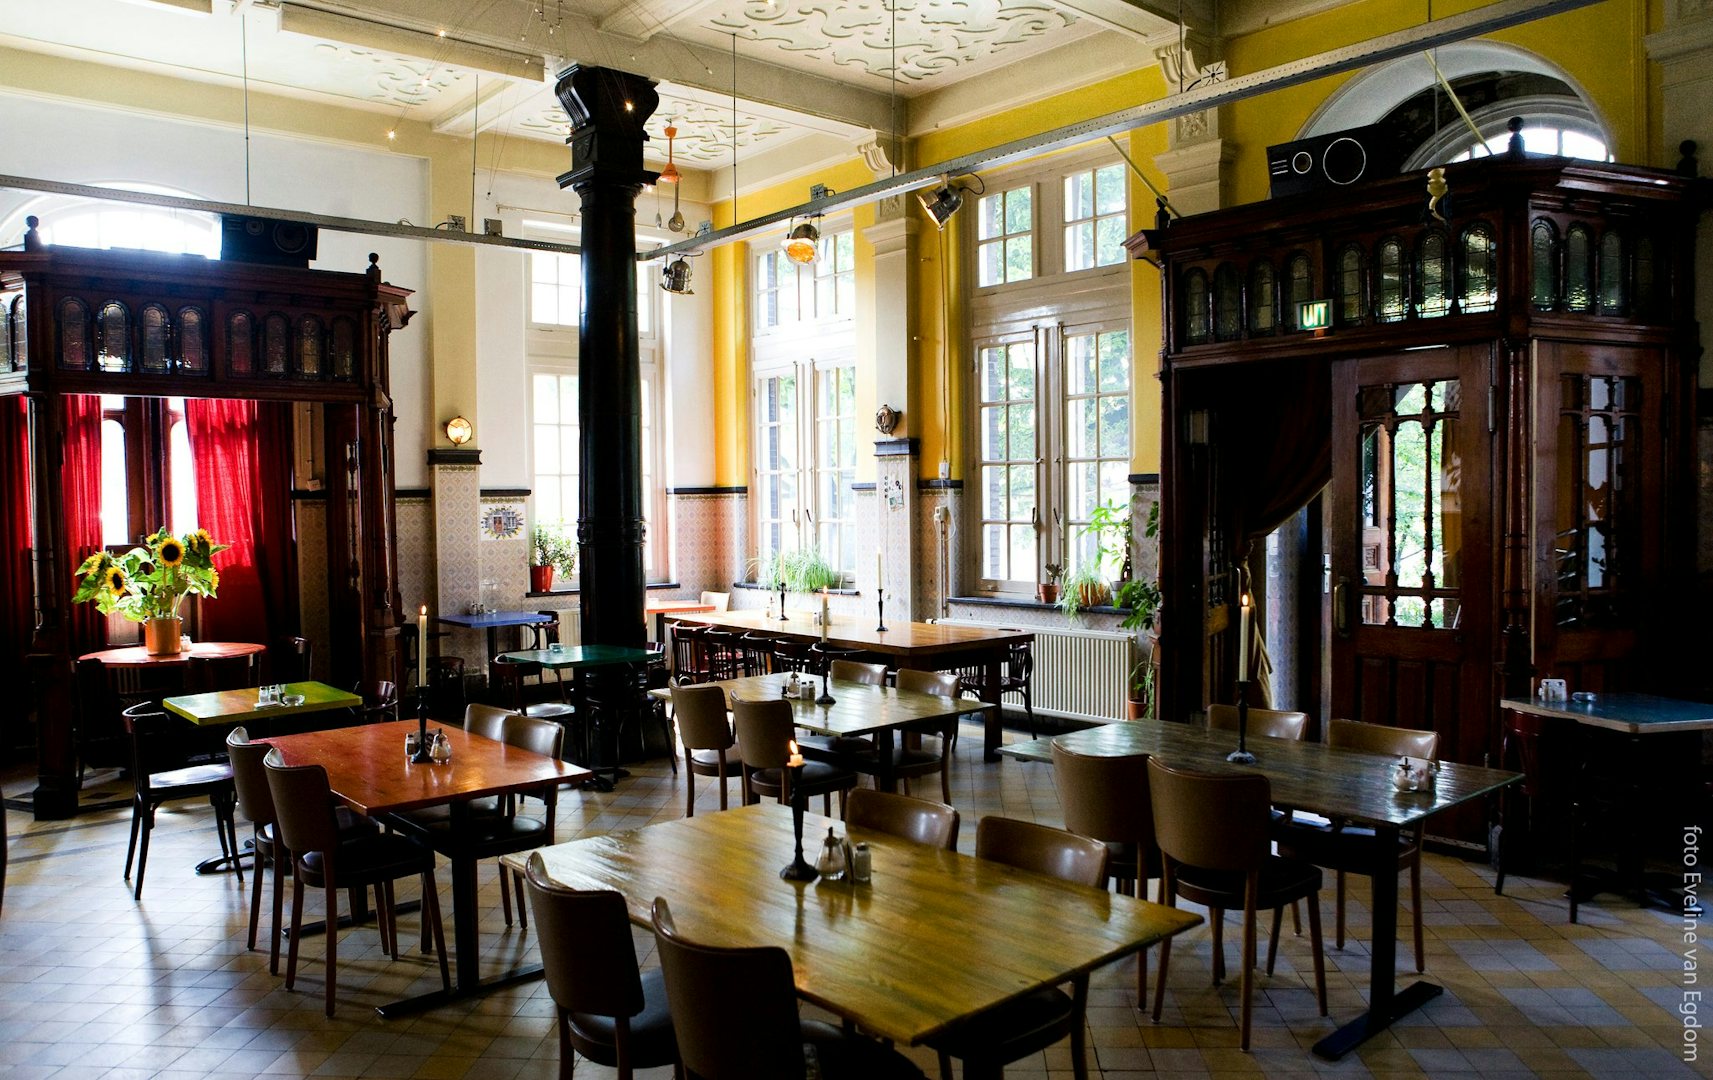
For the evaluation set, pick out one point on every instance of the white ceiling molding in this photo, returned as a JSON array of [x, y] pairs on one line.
[[1069, 68], [441, 51], [1124, 16], [642, 19]]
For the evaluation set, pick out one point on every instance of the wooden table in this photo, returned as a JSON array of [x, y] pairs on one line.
[[238, 706], [928, 646], [858, 709], [367, 770], [936, 938], [662, 608], [491, 621], [133, 656], [587, 662], [1324, 780], [1628, 717]]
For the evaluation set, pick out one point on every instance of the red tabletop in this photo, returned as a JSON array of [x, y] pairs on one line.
[[137, 656]]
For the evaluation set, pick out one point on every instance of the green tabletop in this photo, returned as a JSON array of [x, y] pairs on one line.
[[582, 656], [237, 706]]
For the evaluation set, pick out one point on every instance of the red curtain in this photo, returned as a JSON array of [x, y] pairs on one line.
[[243, 455], [81, 474], [17, 594]]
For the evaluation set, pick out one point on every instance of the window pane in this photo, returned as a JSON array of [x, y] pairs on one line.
[[1079, 246], [1109, 190], [183, 475], [1109, 241], [115, 510], [1115, 426], [990, 220], [1080, 430], [1022, 424], [1019, 215], [992, 269], [546, 395], [1079, 196], [1019, 258]]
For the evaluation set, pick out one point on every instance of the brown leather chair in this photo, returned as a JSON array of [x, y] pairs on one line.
[[609, 1011], [1214, 851], [764, 731], [1271, 723], [1344, 848], [1107, 798], [1031, 1023], [845, 751], [910, 759], [322, 859], [735, 1014], [857, 671], [488, 721], [706, 732], [160, 748], [916, 820]]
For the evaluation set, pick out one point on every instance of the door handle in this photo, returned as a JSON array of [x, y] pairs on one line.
[[1340, 617]]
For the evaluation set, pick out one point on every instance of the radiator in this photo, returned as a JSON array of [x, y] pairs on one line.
[[1079, 674]]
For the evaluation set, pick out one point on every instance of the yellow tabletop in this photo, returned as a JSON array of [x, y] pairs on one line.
[[237, 706]]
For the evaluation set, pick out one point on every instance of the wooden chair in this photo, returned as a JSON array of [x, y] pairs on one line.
[[1017, 674], [506, 678], [858, 672], [1107, 798], [291, 657], [1520, 748], [719, 600], [101, 737], [764, 733], [989, 1041], [608, 1009], [209, 673], [793, 656], [723, 653], [916, 820], [322, 859], [909, 759], [446, 679], [1344, 848], [159, 749], [1271, 723], [706, 732], [756, 654], [689, 656], [735, 1013], [1214, 851]]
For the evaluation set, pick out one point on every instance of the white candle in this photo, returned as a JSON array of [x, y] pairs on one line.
[[823, 614], [795, 761], [880, 572], [1243, 641], [422, 648]]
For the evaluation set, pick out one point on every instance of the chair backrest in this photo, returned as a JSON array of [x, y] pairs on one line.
[[763, 730], [687, 662], [917, 820], [721, 601], [208, 673], [1042, 849], [722, 652], [250, 776], [1019, 660], [585, 942], [1105, 797], [537, 736], [547, 633], [1273, 723], [701, 715], [1216, 822], [290, 658], [303, 808], [792, 656], [488, 721], [379, 696], [159, 741], [734, 1010], [757, 653], [1382, 739], [858, 672], [939, 683]]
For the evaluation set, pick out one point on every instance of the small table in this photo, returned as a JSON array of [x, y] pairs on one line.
[[1321, 779], [1629, 716], [367, 770], [134, 656], [491, 621], [588, 663], [662, 608], [238, 706], [936, 938], [858, 709]]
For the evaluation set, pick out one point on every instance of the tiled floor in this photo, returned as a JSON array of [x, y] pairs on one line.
[[94, 984]]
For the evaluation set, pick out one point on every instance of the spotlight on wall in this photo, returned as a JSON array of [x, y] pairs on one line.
[[942, 202], [802, 245], [458, 430], [675, 277]]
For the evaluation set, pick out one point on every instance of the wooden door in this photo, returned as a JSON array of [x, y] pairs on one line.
[[1411, 544]]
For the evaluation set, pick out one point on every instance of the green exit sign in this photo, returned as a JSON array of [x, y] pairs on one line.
[[1314, 315]]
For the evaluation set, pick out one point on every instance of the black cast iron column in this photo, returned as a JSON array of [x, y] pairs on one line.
[[608, 109]]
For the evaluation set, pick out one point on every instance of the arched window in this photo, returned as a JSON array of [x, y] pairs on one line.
[[20, 336], [1299, 289], [157, 329], [1543, 265], [310, 347], [1392, 303], [75, 223], [1195, 307], [1477, 287], [72, 317], [1227, 303], [113, 337], [1263, 298], [240, 344], [276, 344], [1352, 286], [192, 354], [1432, 280]]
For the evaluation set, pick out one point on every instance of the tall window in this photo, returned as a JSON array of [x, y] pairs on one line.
[[1053, 370], [805, 461], [556, 291], [787, 293], [557, 445], [139, 436]]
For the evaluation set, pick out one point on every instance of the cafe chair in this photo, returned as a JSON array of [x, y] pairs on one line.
[[1107, 798], [1270, 723], [1026, 1025], [608, 1010], [101, 738], [793, 656], [1017, 673], [380, 701], [543, 634], [723, 653], [910, 760], [757, 654], [1348, 849], [858, 672], [446, 680], [290, 658], [764, 731], [706, 732], [506, 679], [205, 674], [823, 653], [160, 746], [689, 654], [324, 859], [735, 1014], [719, 601], [916, 820], [1212, 833]]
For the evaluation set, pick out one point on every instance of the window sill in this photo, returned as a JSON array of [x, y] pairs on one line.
[[651, 586], [769, 588], [1023, 603]]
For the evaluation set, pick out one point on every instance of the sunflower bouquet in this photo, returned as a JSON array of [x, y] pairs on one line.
[[149, 582]]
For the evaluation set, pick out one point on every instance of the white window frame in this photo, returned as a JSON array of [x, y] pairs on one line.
[[802, 293], [1046, 309]]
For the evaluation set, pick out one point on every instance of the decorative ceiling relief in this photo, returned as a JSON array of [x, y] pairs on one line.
[[391, 80], [936, 38], [704, 130]]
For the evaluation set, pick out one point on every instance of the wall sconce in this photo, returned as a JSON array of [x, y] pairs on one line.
[[459, 430]]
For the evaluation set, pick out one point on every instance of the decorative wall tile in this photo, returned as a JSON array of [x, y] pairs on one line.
[[710, 534]]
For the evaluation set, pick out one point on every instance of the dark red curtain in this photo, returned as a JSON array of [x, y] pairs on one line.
[[1275, 442], [81, 475], [17, 594], [243, 454]]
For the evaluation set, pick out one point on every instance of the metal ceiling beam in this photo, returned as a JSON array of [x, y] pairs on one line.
[[1498, 16]]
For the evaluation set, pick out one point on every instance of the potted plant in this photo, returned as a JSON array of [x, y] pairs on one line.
[[1083, 588], [147, 584], [802, 569], [1048, 591], [1141, 599], [549, 550]]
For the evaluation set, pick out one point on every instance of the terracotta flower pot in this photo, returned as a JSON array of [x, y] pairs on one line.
[[1047, 593], [162, 637], [540, 578]]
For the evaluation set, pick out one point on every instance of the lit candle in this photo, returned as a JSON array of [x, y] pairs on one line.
[[823, 614], [422, 648], [795, 761], [1243, 641]]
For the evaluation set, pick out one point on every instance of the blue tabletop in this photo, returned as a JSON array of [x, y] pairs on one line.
[[583, 656], [1638, 714], [489, 619]]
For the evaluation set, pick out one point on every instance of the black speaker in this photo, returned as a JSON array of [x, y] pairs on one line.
[[265, 240], [1336, 160]]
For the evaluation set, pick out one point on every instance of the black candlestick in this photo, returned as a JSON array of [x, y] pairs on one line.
[[421, 756], [1241, 755], [881, 603], [782, 616], [826, 698], [799, 870]]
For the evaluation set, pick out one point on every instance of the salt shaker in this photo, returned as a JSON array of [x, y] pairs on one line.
[[862, 866]]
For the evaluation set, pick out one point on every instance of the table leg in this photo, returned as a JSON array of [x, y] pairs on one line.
[[992, 723], [1386, 1004], [883, 778]]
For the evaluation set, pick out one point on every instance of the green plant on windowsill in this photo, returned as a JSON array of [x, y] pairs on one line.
[[1083, 588], [803, 570], [550, 547]]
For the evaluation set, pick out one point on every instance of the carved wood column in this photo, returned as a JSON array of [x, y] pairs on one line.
[[50, 657], [608, 109]]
